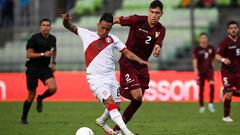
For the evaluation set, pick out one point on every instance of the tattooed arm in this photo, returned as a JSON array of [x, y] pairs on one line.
[[67, 23]]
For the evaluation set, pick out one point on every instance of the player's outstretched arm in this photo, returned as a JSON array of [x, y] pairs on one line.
[[67, 23], [134, 57], [223, 60]]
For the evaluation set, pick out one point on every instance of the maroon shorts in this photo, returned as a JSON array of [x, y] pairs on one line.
[[132, 78], [206, 76], [231, 80]]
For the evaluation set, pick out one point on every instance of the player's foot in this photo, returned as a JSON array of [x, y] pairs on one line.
[[117, 132], [202, 109], [108, 130], [211, 107], [227, 119], [39, 104], [24, 121], [222, 92]]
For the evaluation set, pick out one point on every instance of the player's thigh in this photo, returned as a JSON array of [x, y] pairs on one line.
[[115, 91], [228, 81], [32, 79], [210, 77], [51, 83], [143, 78], [103, 93], [201, 80], [47, 77], [128, 78]]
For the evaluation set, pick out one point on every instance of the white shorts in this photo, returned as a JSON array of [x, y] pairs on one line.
[[104, 88]]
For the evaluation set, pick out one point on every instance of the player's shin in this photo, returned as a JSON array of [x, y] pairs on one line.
[[227, 107], [117, 118], [26, 108]]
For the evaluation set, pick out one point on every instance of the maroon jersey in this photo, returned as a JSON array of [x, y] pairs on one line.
[[141, 37], [231, 50], [204, 58]]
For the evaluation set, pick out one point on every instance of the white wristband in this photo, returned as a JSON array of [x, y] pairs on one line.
[[42, 54], [223, 59]]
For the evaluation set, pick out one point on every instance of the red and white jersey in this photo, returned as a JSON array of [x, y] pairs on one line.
[[99, 56]]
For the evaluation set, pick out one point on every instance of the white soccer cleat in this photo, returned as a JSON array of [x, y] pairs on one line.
[[202, 109], [227, 119], [211, 107], [108, 130]]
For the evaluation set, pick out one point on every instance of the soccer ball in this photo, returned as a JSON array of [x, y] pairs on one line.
[[84, 131]]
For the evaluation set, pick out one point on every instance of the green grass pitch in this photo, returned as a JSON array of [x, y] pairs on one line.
[[64, 118]]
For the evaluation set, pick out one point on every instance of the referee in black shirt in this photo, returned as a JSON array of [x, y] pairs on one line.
[[41, 55]]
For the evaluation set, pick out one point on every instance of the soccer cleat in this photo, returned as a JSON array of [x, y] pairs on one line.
[[211, 107], [227, 119], [39, 104], [108, 130], [222, 94], [117, 132], [202, 109], [24, 121]]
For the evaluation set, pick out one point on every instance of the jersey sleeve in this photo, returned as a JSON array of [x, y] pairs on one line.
[[84, 34], [118, 44], [161, 37], [30, 43], [128, 20]]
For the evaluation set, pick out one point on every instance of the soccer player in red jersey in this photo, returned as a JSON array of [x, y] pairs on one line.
[[203, 55], [145, 38], [229, 54]]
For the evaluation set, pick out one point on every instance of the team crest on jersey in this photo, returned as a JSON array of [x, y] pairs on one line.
[[157, 34], [108, 39], [209, 50], [99, 46]]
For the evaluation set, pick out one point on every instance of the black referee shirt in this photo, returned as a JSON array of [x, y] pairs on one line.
[[40, 44]]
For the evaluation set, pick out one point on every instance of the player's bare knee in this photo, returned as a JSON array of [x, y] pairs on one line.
[[31, 96], [138, 97], [228, 95], [53, 89], [211, 82]]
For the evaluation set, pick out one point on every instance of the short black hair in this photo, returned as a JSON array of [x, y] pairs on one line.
[[45, 19], [203, 34], [155, 4], [107, 17], [232, 22]]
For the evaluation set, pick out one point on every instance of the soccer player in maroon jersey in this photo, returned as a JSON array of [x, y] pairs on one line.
[[145, 38], [203, 55], [229, 54]]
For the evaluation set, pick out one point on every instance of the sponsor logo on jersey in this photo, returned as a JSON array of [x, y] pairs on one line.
[[232, 47], [140, 29]]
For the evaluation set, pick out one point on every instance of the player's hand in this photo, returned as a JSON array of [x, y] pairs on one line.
[[145, 63], [48, 54], [156, 50], [227, 61], [65, 16]]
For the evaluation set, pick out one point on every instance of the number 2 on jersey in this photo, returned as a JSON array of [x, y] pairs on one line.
[[148, 40]]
